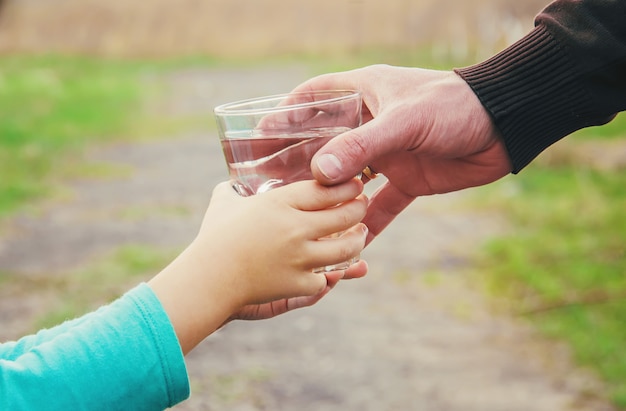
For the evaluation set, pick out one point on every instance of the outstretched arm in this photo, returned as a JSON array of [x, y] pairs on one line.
[[425, 130], [251, 254], [260, 251], [433, 132]]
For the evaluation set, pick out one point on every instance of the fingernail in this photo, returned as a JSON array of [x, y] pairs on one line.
[[329, 165]]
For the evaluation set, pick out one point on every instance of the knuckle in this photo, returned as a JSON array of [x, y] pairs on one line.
[[356, 149], [354, 212], [346, 218], [312, 285], [347, 250]]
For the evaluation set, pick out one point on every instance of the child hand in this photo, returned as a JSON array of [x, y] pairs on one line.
[[254, 256], [270, 243]]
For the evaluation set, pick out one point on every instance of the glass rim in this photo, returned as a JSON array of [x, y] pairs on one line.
[[237, 108]]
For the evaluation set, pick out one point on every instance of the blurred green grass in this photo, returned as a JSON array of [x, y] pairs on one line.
[[616, 129], [102, 281], [563, 263], [51, 108]]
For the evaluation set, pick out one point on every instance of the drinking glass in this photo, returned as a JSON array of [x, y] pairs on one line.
[[269, 141]]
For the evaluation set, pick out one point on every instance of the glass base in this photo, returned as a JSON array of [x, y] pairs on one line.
[[337, 267]]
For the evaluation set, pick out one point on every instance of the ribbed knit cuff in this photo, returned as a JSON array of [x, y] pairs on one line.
[[533, 93]]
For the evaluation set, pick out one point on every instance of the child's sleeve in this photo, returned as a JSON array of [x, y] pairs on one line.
[[14, 349], [123, 356]]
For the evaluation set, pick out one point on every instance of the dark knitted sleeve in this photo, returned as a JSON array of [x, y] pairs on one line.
[[568, 73]]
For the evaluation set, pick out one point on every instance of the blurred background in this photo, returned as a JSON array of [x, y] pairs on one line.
[[106, 126], [247, 28]]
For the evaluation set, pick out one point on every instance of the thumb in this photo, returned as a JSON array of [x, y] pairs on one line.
[[346, 155]]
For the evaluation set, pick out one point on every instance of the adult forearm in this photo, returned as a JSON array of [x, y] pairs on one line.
[[567, 74]]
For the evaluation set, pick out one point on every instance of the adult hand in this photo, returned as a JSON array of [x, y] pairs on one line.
[[425, 130]]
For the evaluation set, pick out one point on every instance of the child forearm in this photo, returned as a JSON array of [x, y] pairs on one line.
[[125, 356]]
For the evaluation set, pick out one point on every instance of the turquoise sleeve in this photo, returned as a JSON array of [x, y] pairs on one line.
[[14, 349], [125, 356]]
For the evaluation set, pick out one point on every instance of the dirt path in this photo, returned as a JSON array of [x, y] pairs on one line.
[[399, 339]]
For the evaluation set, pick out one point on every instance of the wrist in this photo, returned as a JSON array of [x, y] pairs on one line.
[[197, 300], [522, 89]]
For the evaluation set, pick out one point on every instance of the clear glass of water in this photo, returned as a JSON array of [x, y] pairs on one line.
[[269, 141]]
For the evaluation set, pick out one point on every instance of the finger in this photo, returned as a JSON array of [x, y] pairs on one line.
[[336, 219], [294, 303], [336, 250], [384, 205], [300, 302], [306, 301], [333, 278], [311, 284], [356, 270], [311, 115], [349, 153], [311, 196], [330, 81], [349, 80]]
